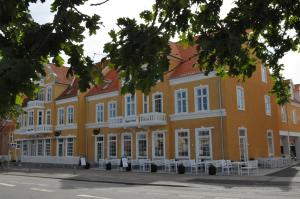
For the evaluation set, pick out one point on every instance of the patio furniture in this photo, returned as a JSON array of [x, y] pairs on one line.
[[251, 165]]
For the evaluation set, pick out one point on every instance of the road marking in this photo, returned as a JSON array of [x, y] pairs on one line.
[[90, 196], [7, 185], [43, 190]]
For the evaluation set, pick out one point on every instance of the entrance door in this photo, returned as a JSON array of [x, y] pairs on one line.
[[99, 146], [203, 144], [243, 145]]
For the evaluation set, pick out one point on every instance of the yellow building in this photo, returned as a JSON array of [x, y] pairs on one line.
[[186, 116]]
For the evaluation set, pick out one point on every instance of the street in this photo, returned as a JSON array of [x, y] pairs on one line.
[[25, 187]]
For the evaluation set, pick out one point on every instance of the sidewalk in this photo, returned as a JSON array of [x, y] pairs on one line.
[[154, 179]]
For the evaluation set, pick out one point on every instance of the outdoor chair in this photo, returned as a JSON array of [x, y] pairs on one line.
[[251, 165]]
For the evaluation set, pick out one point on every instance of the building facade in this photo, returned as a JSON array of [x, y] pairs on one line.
[[186, 116]]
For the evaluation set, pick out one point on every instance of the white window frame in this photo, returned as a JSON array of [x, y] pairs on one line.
[[45, 144], [96, 147], [247, 143], [131, 105], [294, 114], [270, 135], [108, 146], [38, 117], [66, 146], [268, 110], [46, 117], [63, 147], [187, 100], [63, 116], [29, 116], [109, 109], [162, 101], [40, 142], [176, 144], [240, 98], [145, 103], [123, 151], [153, 144], [196, 97], [100, 120], [283, 114], [197, 142], [263, 73], [68, 116], [138, 156], [49, 94]]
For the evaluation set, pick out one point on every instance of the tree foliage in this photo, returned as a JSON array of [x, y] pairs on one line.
[[252, 29], [25, 46]]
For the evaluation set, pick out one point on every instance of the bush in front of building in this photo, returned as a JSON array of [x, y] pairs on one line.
[[181, 169], [108, 166], [212, 170], [153, 168]]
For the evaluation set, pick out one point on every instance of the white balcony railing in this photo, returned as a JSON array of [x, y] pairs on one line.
[[65, 126], [29, 130], [35, 104], [149, 119]]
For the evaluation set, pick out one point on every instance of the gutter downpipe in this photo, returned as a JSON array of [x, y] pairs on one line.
[[221, 118]]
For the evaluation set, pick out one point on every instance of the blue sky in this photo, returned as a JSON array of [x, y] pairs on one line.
[[114, 9]]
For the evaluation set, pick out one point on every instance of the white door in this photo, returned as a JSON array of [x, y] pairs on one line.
[[243, 145], [99, 147], [203, 144]]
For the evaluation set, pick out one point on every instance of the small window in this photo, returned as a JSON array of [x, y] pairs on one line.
[[270, 142], [99, 113], [112, 146], [70, 115], [240, 98], [181, 101], [112, 107], [48, 117], [267, 105], [201, 98], [157, 103], [294, 116], [40, 117], [30, 118], [49, 93], [130, 105], [283, 113], [47, 147], [40, 146], [145, 103], [61, 115], [263, 73], [70, 146]]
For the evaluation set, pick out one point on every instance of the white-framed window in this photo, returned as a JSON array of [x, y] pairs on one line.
[[270, 142], [181, 101], [141, 145], [145, 103], [201, 98], [157, 102], [70, 146], [158, 145], [60, 147], [182, 143], [70, 114], [49, 93], [267, 105], [127, 145], [41, 94], [112, 146], [47, 147], [61, 116], [40, 147], [203, 144], [100, 113], [18, 146], [30, 118], [243, 144], [99, 148], [263, 73], [240, 98], [130, 105], [33, 147], [25, 118], [283, 113], [40, 116], [48, 117], [25, 148], [112, 109], [294, 114]]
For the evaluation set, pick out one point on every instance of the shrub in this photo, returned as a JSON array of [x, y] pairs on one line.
[[87, 165], [212, 170], [181, 169], [108, 166], [153, 167]]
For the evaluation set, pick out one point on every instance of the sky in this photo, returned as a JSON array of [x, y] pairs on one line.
[[114, 9]]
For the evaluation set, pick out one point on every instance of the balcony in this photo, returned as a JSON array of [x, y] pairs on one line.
[[35, 104], [147, 119], [65, 127], [150, 119], [30, 130]]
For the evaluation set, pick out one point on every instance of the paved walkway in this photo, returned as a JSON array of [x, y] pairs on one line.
[[267, 177]]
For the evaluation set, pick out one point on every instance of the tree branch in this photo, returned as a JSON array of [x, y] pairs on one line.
[[98, 4]]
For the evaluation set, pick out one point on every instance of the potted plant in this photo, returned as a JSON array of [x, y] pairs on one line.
[[181, 169], [87, 165], [153, 167], [108, 166], [212, 170], [129, 167]]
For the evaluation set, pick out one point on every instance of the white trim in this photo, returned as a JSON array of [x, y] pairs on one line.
[[247, 143], [242, 105], [267, 99], [48, 110], [295, 104], [153, 144], [125, 105], [153, 101], [99, 104], [58, 122], [197, 139], [96, 145], [196, 97], [198, 115], [294, 116], [186, 99], [263, 70], [291, 133], [122, 144], [137, 155], [147, 97], [67, 100], [37, 118], [73, 115], [191, 78], [108, 146], [66, 126], [272, 137], [176, 144], [96, 125], [102, 96], [108, 108]]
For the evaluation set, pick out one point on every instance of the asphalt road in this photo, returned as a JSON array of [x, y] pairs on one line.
[[23, 187]]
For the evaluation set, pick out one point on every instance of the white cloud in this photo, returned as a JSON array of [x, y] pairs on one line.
[[114, 9]]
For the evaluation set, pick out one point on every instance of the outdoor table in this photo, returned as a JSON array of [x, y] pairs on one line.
[[238, 165]]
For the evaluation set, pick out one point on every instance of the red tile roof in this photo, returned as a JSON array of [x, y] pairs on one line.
[[189, 59], [71, 91], [61, 74], [111, 84]]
